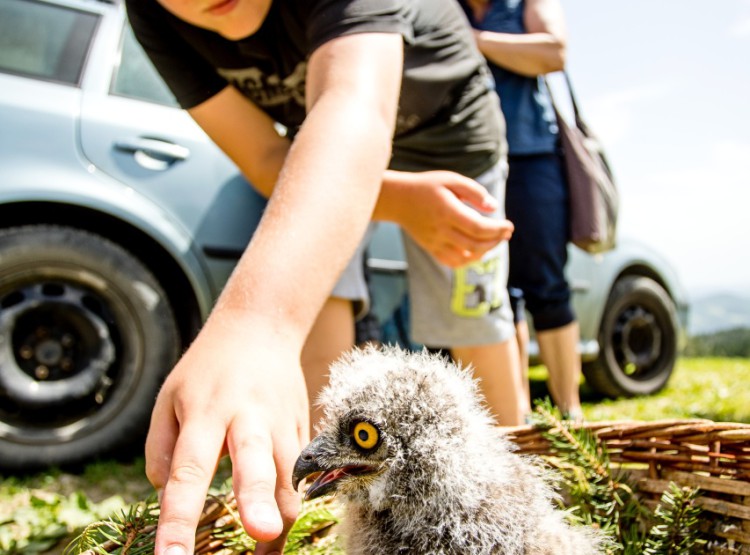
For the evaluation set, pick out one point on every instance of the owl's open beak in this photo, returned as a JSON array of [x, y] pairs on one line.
[[308, 463]]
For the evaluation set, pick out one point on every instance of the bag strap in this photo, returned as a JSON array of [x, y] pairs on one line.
[[580, 124], [574, 103], [576, 111]]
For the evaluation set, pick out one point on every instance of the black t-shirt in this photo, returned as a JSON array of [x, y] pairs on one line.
[[448, 115]]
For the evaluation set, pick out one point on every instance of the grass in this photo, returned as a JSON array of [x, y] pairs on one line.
[[38, 511], [712, 388]]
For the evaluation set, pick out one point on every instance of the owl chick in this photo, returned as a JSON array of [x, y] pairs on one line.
[[422, 468]]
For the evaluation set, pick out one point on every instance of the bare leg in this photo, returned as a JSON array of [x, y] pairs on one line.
[[497, 368], [331, 336], [522, 338], [559, 351]]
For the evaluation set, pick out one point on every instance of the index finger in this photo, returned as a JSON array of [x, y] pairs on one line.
[[194, 461]]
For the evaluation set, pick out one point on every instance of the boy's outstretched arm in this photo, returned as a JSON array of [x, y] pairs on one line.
[[239, 387]]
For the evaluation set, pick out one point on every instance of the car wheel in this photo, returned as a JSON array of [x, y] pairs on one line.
[[86, 338], [638, 340]]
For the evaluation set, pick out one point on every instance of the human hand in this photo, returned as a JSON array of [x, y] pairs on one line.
[[240, 391], [442, 212]]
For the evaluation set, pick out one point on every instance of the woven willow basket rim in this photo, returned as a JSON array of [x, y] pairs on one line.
[[697, 453], [722, 447]]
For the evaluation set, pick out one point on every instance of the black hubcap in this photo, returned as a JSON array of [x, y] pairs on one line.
[[56, 349], [637, 341]]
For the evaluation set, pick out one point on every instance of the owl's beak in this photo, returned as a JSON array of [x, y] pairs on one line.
[[309, 463]]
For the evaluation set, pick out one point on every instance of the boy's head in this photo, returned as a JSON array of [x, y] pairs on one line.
[[233, 19]]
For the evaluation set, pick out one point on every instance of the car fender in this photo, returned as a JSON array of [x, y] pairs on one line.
[[597, 275], [104, 195]]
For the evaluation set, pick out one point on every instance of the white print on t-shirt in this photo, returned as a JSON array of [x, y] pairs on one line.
[[268, 90]]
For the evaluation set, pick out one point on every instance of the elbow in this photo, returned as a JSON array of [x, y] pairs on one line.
[[555, 59]]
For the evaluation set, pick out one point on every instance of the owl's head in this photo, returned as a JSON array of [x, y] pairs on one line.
[[393, 419]]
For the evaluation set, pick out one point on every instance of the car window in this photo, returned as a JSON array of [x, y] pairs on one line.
[[136, 76], [44, 41]]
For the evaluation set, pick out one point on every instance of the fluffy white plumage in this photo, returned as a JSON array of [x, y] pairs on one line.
[[422, 468]]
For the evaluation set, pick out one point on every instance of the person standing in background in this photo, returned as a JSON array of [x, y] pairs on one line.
[[523, 40]]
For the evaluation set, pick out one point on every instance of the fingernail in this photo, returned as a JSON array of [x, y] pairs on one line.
[[175, 550], [263, 513]]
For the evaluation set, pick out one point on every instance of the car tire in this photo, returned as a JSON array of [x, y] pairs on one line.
[[638, 340], [86, 338]]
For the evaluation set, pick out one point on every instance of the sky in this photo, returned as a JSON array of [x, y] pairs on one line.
[[665, 84]]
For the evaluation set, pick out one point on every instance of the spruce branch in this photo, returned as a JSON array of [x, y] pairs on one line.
[[599, 495], [133, 531], [676, 530]]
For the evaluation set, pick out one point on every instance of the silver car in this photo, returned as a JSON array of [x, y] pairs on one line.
[[120, 222]]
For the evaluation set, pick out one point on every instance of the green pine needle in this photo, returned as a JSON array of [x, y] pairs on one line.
[[133, 531], [602, 496], [676, 524]]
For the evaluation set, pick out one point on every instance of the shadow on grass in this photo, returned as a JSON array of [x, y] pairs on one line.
[[540, 390]]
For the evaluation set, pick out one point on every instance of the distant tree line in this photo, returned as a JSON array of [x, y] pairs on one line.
[[728, 343]]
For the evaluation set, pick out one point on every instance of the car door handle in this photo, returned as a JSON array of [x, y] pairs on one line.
[[153, 154]]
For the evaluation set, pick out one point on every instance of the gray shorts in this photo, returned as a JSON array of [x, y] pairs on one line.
[[450, 307], [457, 307], [352, 284]]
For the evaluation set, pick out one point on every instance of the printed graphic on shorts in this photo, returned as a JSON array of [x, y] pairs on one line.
[[477, 288]]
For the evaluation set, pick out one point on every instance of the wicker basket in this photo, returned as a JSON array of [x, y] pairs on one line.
[[711, 456]]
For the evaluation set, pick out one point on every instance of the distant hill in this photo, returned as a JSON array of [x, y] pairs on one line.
[[718, 312], [733, 343]]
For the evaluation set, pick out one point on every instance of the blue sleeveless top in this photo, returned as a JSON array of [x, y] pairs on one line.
[[530, 119]]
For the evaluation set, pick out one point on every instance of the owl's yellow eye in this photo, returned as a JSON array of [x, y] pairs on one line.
[[365, 435]]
